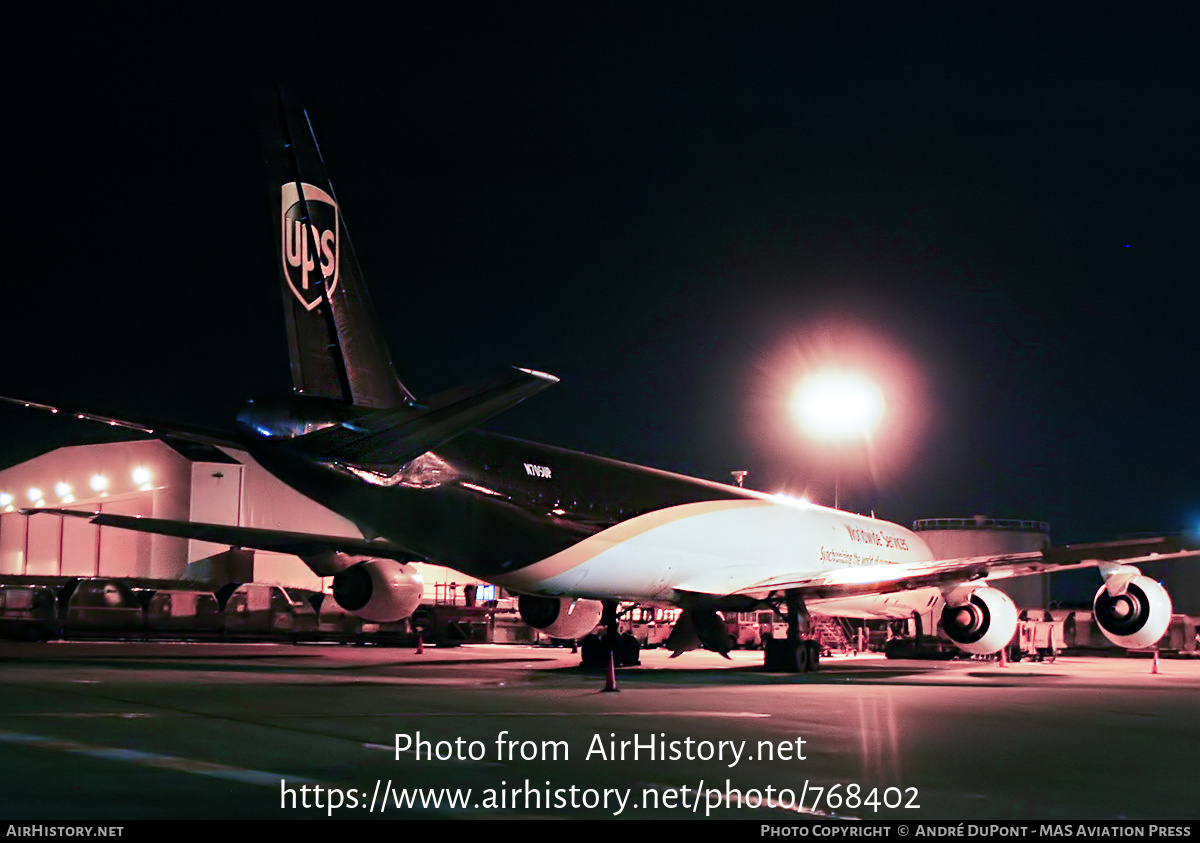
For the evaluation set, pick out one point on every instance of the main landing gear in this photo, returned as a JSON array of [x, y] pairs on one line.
[[594, 649], [792, 654]]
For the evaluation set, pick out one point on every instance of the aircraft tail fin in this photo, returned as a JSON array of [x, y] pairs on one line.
[[336, 346]]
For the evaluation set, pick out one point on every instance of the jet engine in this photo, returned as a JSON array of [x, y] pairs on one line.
[[982, 625], [379, 590], [1135, 617], [560, 617]]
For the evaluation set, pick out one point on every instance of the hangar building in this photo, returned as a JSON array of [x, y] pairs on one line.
[[175, 480]]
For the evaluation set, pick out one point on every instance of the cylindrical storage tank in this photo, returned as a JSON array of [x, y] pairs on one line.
[[953, 538]]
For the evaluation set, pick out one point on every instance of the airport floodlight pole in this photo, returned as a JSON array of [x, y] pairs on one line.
[[838, 406], [739, 477]]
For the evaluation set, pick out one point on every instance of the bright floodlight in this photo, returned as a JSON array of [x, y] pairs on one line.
[[62, 488], [98, 482], [838, 405], [141, 475]]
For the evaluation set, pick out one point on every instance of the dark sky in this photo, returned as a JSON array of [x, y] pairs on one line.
[[676, 209]]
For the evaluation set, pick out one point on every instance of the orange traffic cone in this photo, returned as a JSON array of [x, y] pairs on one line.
[[1004, 656], [420, 646], [610, 681], [1154, 664]]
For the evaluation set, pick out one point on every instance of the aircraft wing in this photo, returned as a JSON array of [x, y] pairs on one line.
[[759, 581], [148, 426], [318, 552]]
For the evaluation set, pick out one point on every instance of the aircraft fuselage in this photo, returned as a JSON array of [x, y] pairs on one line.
[[551, 521]]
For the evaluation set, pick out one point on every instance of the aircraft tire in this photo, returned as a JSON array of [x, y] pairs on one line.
[[812, 656], [628, 648], [592, 653], [781, 655]]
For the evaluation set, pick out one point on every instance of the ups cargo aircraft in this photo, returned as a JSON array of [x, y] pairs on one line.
[[574, 535]]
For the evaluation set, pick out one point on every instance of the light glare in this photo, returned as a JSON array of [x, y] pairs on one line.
[[838, 405]]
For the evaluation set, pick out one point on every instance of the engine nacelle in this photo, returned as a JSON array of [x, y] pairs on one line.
[[379, 590], [1135, 618], [982, 625], [560, 617]]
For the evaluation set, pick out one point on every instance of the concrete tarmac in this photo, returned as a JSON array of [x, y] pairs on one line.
[[125, 731]]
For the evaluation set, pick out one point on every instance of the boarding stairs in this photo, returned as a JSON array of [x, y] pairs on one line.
[[832, 633]]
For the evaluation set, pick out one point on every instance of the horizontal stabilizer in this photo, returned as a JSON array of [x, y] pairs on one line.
[[391, 438], [140, 424], [317, 551]]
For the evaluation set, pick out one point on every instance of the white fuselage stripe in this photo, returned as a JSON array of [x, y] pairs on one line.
[[716, 547]]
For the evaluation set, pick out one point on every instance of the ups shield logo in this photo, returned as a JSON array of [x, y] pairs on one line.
[[309, 242]]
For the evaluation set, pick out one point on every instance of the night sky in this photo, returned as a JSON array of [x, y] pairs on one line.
[[677, 209]]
